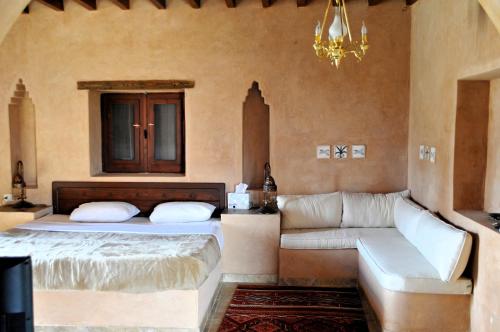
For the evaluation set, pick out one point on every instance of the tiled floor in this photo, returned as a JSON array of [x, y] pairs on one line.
[[226, 292]]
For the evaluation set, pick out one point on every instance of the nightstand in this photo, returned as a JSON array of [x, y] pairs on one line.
[[10, 217], [251, 246]]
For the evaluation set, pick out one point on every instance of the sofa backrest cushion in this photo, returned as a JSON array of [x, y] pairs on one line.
[[310, 211], [369, 210], [447, 248], [406, 217]]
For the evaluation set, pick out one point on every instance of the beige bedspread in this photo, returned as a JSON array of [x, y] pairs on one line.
[[114, 262]]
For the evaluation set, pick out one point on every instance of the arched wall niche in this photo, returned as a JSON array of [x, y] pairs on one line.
[[22, 123], [255, 137]]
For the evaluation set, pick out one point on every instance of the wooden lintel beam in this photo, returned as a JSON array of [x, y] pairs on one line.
[[231, 3], [302, 3], [267, 3], [160, 4], [89, 4], [195, 3], [410, 2], [373, 2], [135, 85], [123, 4], [54, 4], [26, 10]]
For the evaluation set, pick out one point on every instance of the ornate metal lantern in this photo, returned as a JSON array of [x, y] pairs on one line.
[[19, 188], [270, 192]]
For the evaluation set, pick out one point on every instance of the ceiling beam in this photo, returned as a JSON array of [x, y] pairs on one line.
[[195, 3], [123, 4], [373, 2], [160, 4], [231, 3], [302, 3], [54, 4], [267, 3], [89, 4]]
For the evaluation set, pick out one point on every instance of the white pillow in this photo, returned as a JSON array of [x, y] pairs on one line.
[[406, 217], [104, 212], [447, 248], [172, 212], [370, 210], [310, 211]]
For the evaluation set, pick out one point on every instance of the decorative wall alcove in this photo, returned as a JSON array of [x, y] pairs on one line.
[[476, 179], [22, 123], [255, 137]]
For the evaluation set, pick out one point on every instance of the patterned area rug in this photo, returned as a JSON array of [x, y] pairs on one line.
[[285, 308]]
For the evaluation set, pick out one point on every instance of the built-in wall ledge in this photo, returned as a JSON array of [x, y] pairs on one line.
[[135, 85], [481, 217]]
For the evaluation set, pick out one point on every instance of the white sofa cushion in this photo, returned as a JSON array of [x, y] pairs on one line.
[[399, 266], [328, 238], [310, 211], [447, 248], [369, 210], [406, 216]]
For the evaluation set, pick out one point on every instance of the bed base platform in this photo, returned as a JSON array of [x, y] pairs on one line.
[[171, 310]]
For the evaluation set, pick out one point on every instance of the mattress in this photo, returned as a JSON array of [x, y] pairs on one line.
[[134, 257]]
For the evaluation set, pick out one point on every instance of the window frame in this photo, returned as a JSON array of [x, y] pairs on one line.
[[144, 132]]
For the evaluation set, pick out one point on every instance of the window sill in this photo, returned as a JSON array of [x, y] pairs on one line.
[[140, 175], [480, 217]]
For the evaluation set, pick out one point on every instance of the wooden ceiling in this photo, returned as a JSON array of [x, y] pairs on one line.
[[162, 4]]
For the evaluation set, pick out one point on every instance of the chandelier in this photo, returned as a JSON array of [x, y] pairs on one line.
[[334, 49]]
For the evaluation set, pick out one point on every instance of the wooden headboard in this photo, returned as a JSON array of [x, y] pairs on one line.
[[66, 196]]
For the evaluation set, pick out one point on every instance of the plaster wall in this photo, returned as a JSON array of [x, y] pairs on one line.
[[451, 40], [10, 12], [492, 183], [224, 50]]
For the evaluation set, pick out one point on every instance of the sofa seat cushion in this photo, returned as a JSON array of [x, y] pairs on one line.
[[399, 266], [328, 238]]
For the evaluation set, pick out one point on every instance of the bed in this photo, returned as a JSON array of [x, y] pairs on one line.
[[128, 276]]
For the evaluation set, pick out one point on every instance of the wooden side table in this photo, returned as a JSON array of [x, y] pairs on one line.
[[251, 246], [10, 217]]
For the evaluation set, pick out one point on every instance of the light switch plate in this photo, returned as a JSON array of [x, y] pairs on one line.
[[421, 152], [432, 154], [427, 152], [323, 152]]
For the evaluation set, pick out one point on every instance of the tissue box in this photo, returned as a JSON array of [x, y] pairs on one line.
[[239, 201]]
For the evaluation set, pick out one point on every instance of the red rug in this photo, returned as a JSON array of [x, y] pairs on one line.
[[283, 308]]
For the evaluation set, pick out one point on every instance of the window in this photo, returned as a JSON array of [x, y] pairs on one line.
[[142, 132]]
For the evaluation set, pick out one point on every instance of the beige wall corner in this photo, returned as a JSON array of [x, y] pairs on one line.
[[446, 24], [492, 8], [10, 11]]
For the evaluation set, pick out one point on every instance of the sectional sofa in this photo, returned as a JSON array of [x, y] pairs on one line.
[[408, 262]]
